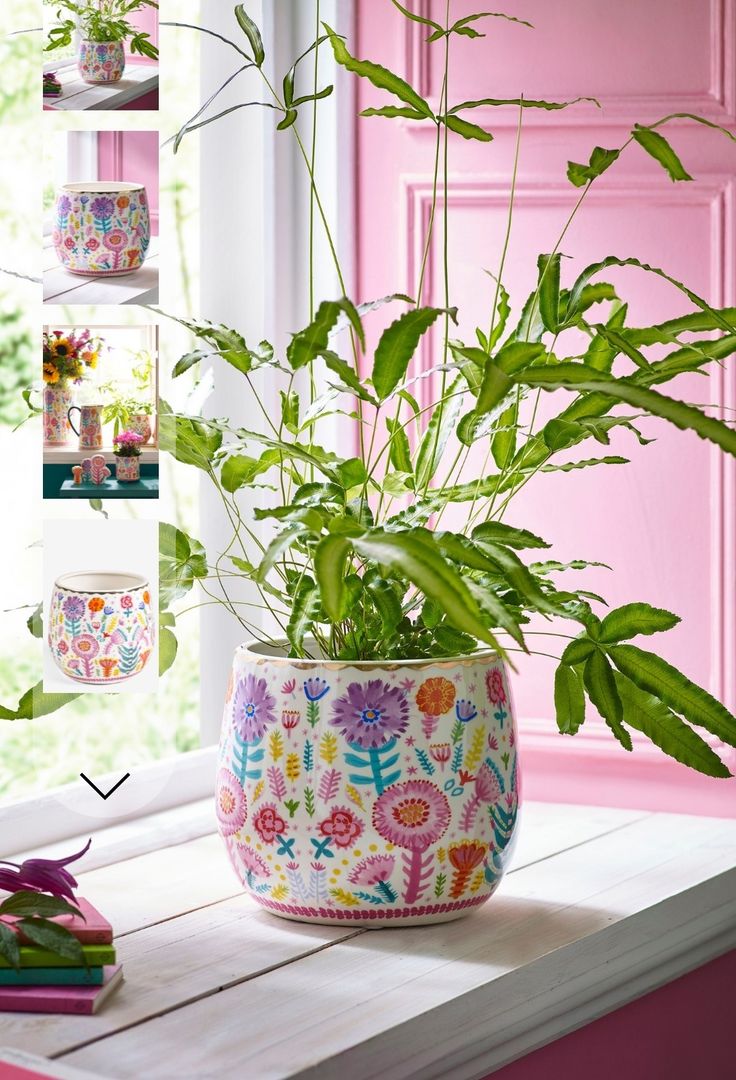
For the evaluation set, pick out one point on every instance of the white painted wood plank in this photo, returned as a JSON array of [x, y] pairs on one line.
[[173, 963], [139, 79], [389, 1004], [62, 287]]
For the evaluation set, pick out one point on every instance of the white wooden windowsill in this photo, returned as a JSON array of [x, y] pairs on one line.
[[71, 455], [600, 907], [62, 287], [137, 80]]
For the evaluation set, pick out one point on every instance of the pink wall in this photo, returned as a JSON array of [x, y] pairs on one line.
[[147, 20], [681, 1032], [131, 155], [666, 521]]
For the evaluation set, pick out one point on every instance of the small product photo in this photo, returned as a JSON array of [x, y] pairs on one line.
[[100, 55], [100, 604], [100, 217]]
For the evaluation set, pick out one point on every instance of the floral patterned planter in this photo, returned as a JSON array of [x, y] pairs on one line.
[[101, 626], [101, 61], [375, 793], [57, 401], [102, 229], [127, 469], [140, 423]]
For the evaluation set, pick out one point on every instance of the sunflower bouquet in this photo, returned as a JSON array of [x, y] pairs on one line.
[[68, 356]]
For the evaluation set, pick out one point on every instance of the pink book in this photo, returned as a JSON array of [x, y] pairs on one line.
[[83, 1000], [93, 930], [20, 1065]]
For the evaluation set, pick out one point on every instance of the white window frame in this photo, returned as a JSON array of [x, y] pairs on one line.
[[81, 164], [69, 62]]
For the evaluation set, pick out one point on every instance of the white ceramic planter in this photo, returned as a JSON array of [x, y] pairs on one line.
[[101, 61], [374, 793], [140, 423], [103, 228], [101, 627]]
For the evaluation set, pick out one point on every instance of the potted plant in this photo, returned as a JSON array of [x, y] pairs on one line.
[[127, 446], [67, 357], [129, 414], [368, 760], [104, 28]]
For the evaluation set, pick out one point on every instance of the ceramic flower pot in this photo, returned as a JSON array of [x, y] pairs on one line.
[[103, 228], [57, 401], [374, 793], [90, 426], [140, 423], [101, 627], [101, 61], [127, 469]]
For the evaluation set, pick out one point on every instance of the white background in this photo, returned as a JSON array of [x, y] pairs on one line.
[[120, 546]]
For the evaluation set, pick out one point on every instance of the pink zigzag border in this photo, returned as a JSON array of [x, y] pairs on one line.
[[374, 914]]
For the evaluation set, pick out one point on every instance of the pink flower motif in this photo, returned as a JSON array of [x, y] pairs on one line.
[[252, 862], [413, 814], [63, 648], [253, 708], [492, 742], [373, 870], [369, 714], [494, 686], [56, 237], [268, 824], [487, 788], [69, 243], [126, 602], [441, 753], [93, 244], [231, 803], [85, 646], [289, 686], [343, 826], [116, 240]]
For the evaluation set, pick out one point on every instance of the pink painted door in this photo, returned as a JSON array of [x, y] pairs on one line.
[[665, 521], [131, 156]]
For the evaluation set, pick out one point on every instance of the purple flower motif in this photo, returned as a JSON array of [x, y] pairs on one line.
[[73, 607], [371, 713], [102, 208], [42, 875], [253, 708], [465, 711], [63, 206], [315, 689]]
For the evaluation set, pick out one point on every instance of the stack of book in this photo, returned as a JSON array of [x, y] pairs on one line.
[[48, 983], [51, 85]]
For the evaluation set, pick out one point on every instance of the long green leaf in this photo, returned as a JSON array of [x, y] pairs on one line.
[[549, 290], [400, 451], [34, 703], [57, 939], [386, 602], [633, 619], [493, 388], [569, 700], [280, 543], [686, 417], [432, 446], [9, 947], [466, 129], [380, 76], [252, 32], [422, 565], [526, 103], [312, 342], [647, 714], [414, 17], [658, 148], [330, 561], [654, 675], [601, 352], [392, 112], [168, 646], [600, 683], [508, 535], [397, 346], [518, 576], [305, 608], [26, 903]]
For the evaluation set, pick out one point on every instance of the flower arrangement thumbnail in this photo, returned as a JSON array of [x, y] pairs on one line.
[[67, 356], [128, 444]]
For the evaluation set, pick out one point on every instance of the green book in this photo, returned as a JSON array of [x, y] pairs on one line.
[[59, 976], [33, 956]]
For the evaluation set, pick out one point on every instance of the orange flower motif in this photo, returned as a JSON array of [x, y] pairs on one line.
[[464, 857], [436, 696], [123, 201], [146, 597], [108, 665], [96, 603]]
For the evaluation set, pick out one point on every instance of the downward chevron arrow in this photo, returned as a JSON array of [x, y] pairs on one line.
[[105, 794]]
